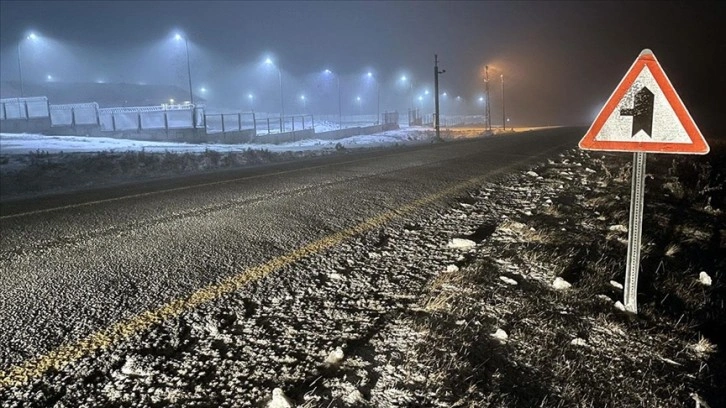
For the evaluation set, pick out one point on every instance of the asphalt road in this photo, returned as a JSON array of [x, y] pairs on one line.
[[74, 264]]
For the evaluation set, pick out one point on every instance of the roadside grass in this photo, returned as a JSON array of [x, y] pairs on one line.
[[572, 347]]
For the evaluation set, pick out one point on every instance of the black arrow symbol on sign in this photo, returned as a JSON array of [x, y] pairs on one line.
[[642, 112]]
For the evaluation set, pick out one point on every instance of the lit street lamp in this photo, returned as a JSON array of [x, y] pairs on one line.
[[357, 98], [252, 101], [178, 37], [302, 98], [269, 62], [31, 37], [340, 109], [404, 79]]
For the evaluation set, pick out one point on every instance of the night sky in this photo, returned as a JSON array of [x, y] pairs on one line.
[[560, 60]]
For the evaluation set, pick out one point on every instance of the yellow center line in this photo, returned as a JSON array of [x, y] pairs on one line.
[[66, 354]]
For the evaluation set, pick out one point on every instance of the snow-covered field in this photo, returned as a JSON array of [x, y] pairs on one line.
[[24, 143]]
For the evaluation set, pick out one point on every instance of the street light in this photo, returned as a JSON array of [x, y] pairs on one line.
[[268, 61], [378, 97], [360, 106], [252, 101], [340, 109], [31, 37], [178, 37], [405, 79], [302, 98]]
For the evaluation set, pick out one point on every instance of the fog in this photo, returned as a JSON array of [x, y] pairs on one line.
[[559, 61]]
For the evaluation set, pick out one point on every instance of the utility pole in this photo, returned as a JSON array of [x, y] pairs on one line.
[[436, 96], [504, 115], [488, 110]]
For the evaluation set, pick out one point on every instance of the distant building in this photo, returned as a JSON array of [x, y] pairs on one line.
[[107, 95]]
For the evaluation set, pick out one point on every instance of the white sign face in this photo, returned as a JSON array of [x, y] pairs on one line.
[[645, 114]]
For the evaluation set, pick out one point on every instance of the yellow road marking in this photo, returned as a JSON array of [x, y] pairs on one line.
[[66, 354]]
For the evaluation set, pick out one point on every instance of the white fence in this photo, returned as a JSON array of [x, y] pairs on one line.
[[74, 114], [147, 117], [24, 108]]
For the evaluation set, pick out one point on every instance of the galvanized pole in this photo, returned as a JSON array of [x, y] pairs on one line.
[[340, 105], [282, 103], [637, 196], [189, 71], [488, 109], [20, 72], [436, 96], [504, 115]]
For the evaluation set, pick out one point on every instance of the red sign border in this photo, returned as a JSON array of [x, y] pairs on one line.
[[646, 58]]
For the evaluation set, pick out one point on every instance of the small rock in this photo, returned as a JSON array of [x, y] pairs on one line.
[[532, 174], [508, 281], [452, 268], [461, 243], [589, 170], [335, 357], [616, 285], [561, 284], [501, 335], [704, 278], [578, 342]]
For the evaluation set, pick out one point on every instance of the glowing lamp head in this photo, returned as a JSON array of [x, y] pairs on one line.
[[32, 36], [177, 37], [403, 78], [370, 75], [268, 61], [327, 71]]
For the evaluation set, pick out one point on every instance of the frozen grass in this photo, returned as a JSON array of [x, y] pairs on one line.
[[571, 347]]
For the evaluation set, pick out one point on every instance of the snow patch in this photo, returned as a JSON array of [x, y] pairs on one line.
[[561, 284], [704, 278], [501, 335], [508, 281], [616, 284], [461, 243]]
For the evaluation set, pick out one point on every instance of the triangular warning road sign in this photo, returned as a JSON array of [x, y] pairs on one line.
[[645, 114]]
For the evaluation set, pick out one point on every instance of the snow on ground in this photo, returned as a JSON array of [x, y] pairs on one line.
[[24, 143]]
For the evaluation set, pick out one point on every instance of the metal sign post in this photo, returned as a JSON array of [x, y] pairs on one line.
[[637, 197], [643, 115]]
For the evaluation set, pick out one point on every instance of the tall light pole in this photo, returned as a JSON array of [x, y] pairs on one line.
[[268, 61], [252, 101], [340, 109], [360, 105], [436, 96], [378, 97], [302, 98], [31, 37], [410, 88], [178, 37], [504, 115], [487, 109]]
